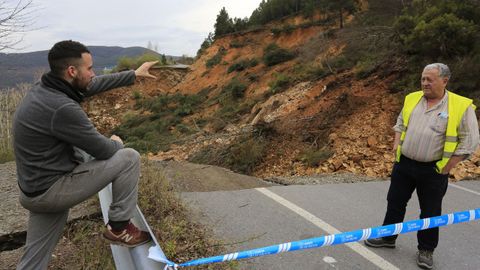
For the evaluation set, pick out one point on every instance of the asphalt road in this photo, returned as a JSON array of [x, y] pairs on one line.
[[249, 219]]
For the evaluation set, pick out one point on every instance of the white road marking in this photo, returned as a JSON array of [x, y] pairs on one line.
[[363, 251], [465, 189]]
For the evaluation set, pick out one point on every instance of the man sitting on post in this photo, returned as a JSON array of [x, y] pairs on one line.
[[48, 126]]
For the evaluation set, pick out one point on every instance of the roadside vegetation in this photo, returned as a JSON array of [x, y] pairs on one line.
[[181, 239], [9, 99]]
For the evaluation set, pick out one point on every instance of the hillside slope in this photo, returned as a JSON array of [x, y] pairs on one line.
[[306, 108]]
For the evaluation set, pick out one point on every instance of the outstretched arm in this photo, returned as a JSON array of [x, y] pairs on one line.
[[106, 82]]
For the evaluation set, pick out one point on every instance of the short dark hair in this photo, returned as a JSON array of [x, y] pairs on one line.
[[64, 54]]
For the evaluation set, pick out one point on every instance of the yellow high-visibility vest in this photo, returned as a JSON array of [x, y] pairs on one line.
[[457, 105]]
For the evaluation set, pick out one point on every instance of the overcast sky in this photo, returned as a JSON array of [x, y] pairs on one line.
[[177, 27]]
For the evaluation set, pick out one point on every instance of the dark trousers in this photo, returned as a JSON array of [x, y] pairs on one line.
[[408, 175]]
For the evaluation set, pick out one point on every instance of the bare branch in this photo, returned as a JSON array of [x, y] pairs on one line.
[[15, 19]]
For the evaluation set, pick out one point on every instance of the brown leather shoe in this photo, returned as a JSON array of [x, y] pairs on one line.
[[131, 236]]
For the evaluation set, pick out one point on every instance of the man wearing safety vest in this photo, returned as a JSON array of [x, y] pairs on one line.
[[435, 130]]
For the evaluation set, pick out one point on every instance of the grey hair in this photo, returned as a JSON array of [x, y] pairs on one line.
[[443, 70]]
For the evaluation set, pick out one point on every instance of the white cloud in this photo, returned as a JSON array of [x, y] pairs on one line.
[[178, 27]]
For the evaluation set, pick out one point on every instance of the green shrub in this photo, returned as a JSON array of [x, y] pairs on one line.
[[280, 83], [317, 73], [253, 77], [180, 105], [147, 57], [125, 63], [314, 157], [182, 128], [444, 36], [288, 28], [242, 156], [230, 100], [217, 58], [463, 80], [242, 65], [310, 72], [235, 89], [146, 134], [217, 124], [152, 132], [406, 82], [276, 31], [365, 68], [237, 44], [330, 33], [441, 29], [340, 63], [137, 95], [230, 111], [274, 55]]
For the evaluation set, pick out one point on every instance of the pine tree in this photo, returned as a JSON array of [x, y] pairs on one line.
[[205, 44], [224, 23]]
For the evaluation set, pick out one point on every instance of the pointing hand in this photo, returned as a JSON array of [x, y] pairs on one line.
[[142, 71]]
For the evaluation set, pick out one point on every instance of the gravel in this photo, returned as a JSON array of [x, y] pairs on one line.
[[320, 179]]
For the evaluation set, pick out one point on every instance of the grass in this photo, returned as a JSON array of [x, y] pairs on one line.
[[9, 99], [83, 248], [280, 83], [180, 238], [309, 72]]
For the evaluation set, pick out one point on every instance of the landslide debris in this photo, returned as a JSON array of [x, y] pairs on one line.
[[344, 117]]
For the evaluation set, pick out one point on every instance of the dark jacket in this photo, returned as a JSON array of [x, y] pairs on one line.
[[48, 124]]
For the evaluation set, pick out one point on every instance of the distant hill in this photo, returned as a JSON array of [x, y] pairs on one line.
[[18, 68]]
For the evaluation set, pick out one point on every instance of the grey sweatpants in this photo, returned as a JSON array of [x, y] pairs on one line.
[[49, 211]]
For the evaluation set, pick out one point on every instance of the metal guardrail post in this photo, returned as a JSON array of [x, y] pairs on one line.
[[131, 258]]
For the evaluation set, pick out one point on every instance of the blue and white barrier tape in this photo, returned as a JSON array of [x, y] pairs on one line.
[[335, 239]]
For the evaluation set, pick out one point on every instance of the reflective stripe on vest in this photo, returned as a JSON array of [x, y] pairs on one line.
[[457, 105]]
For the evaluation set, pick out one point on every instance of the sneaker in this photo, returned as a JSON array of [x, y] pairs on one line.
[[425, 259], [131, 236], [380, 242]]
